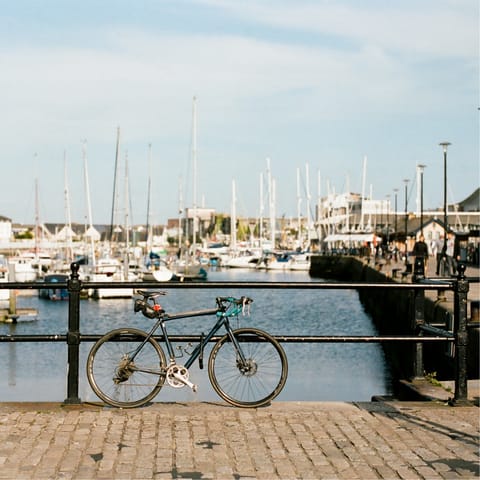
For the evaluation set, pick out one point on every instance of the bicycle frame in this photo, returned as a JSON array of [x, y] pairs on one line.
[[222, 321]]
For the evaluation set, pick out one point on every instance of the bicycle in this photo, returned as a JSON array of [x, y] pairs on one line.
[[247, 367]]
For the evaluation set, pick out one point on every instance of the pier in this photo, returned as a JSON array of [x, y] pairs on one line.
[[11, 313]]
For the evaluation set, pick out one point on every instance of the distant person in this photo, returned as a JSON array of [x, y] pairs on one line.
[[441, 253], [434, 248], [451, 255], [420, 250]]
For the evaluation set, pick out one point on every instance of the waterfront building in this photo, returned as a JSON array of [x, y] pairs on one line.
[[5, 229]]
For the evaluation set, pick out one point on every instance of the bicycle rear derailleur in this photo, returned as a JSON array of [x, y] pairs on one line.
[[177, 377]]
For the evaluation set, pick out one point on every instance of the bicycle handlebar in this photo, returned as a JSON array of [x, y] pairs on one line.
[[222, 301]]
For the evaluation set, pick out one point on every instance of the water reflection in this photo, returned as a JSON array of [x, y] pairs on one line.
[[321, 371]]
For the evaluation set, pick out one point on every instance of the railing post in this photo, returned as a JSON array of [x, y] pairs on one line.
[[74, 286], [419, 320], [461, 336]]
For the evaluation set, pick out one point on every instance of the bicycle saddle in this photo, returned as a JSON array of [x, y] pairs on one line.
[[148, 295]]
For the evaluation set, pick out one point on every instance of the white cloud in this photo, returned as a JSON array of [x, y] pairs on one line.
[[418, 28]]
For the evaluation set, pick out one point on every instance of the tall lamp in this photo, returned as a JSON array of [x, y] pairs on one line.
[[445, 145], [406, 180], [395, 191], [421, 168]]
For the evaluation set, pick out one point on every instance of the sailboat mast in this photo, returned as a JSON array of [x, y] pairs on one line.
[[194, 160], [127, 221], [68, 215], [319, 206], [37, 220], [364, 174], [307, 188], [271, 198], [180, 215], [233, 222], [299, 211], [114, 198], [260, 229], [89, 204], [149, 197]]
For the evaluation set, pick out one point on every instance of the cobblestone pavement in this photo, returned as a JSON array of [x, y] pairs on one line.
[[287, 440]]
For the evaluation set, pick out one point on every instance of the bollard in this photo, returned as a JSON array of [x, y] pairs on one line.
[[74, 286], [461, 336]]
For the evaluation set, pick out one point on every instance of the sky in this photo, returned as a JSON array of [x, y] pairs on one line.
[[323, 88]]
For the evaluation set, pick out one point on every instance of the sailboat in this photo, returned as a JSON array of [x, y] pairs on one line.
[[243, 257], [186, 267], [155, 268], [106, 268]]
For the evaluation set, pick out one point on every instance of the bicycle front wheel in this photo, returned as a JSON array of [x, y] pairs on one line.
[[116, 378], [255, 381]]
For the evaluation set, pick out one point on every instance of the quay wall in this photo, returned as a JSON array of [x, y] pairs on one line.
[[392, 312]]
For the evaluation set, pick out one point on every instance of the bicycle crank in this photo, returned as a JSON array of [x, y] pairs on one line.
[[177, 377]]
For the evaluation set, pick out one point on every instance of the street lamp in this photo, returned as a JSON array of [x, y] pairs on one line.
[[445, 145], [420, 170], [406, 180], [388, 219], [395, 191]]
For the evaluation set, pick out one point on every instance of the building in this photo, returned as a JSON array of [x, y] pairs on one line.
[[5, 229]]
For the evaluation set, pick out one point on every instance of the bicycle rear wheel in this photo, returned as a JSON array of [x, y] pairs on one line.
[[253, 383], [118, 380]]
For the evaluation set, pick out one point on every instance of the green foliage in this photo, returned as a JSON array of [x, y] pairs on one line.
[[25, 235]]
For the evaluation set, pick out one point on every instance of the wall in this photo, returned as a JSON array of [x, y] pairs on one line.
[[392, 311]]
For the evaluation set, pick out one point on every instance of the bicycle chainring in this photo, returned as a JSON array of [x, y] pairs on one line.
[[173, 372]]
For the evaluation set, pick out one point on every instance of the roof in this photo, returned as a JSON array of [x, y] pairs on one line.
[[471, 203]]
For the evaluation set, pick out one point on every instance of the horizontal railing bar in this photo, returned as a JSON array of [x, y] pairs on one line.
[[425, 285], [280, 338]]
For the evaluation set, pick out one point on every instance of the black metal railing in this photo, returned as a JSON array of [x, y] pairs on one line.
[[422, 331]]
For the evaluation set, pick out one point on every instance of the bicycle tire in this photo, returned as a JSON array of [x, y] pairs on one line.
[[264, 376], [104, 365]]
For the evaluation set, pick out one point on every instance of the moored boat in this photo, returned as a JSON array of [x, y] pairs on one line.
[[53, 292], [22, 270], [300, 261]]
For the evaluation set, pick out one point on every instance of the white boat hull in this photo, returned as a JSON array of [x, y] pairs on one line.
[[243, 262], [23, 272]]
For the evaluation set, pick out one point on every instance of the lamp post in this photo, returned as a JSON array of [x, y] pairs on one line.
[[388, 219], [395, 191], [406, 180], [421, 168], [445, 145]]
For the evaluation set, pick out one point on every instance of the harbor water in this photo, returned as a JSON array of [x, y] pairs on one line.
[[37, 371]]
